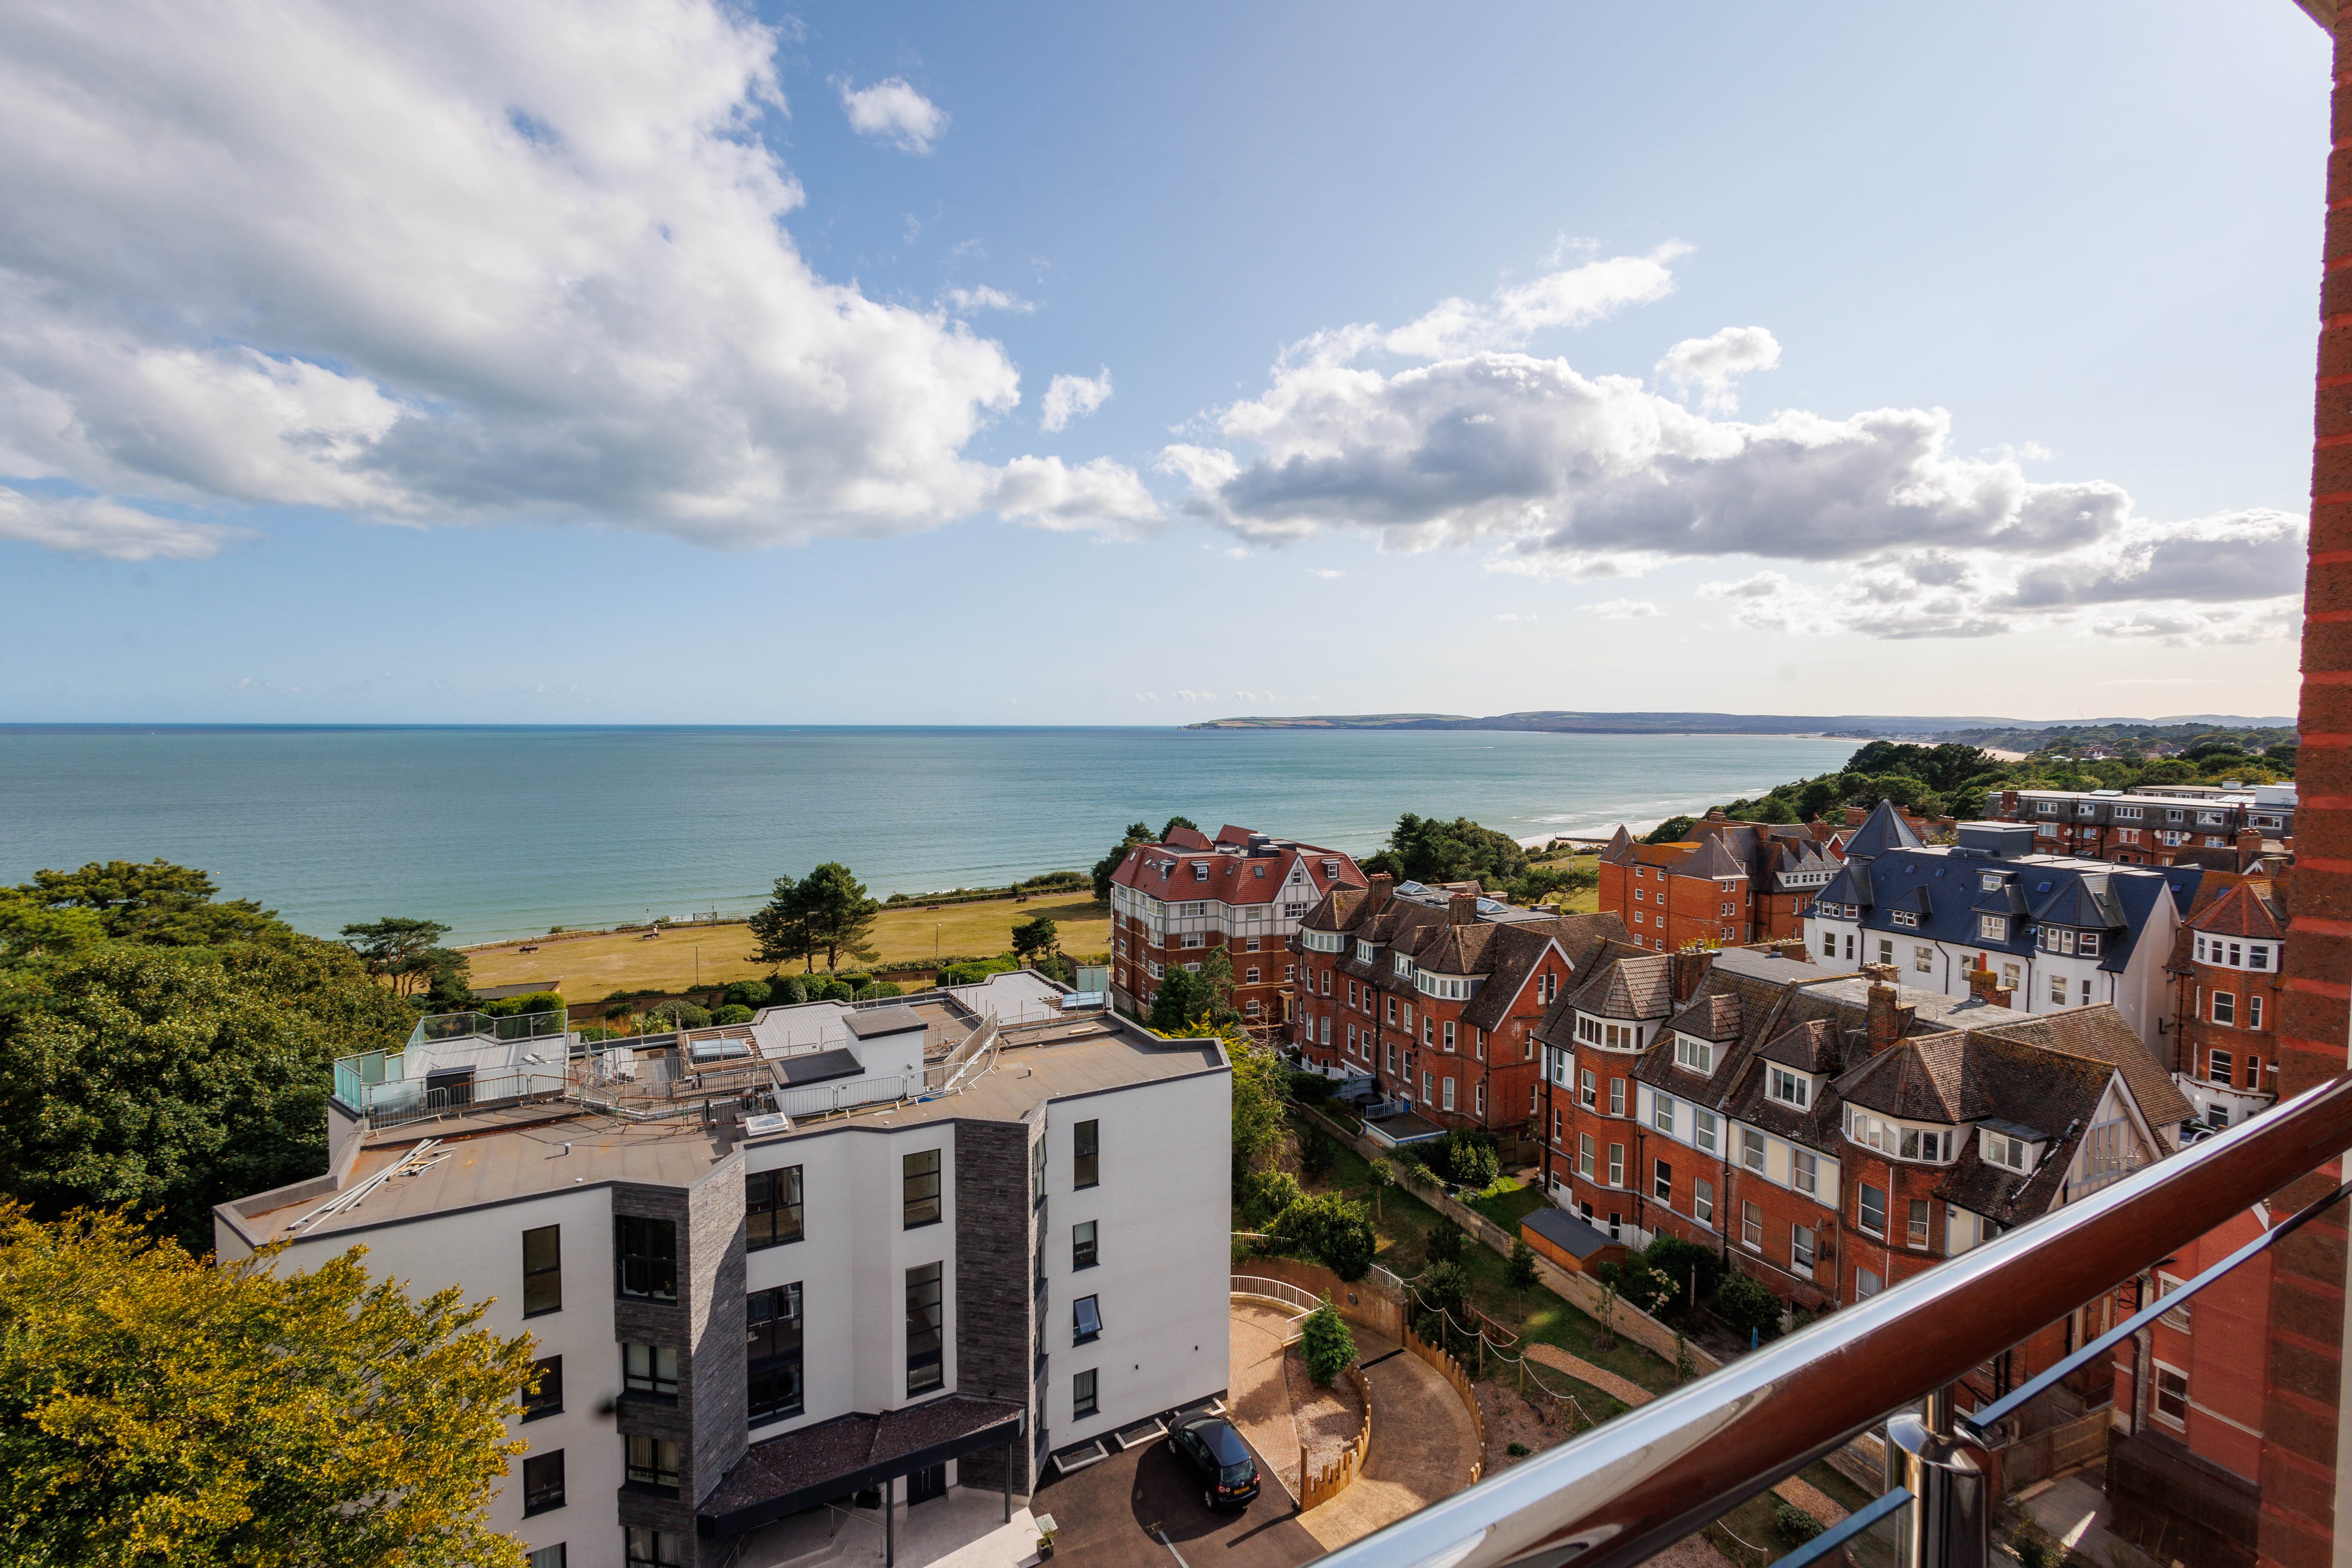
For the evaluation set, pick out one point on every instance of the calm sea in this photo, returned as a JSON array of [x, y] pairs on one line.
[[505, 832]]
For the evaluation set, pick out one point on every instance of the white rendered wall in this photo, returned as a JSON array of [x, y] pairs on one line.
[[1163, 1213], [479, 1251]]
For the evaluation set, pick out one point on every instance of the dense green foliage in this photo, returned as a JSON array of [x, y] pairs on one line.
[[1107, 867], [1748, 1305], [1445, 1241], [1429, 850], [177, 1053], [1036, 939], [752, 994], [1326, 1345], [1793, 1524], [1951, 779], [408, 953], [1179, 1000], [157, 1409], [1683, 1263], [1330, 1230], [1522, 1267], [1467, 1158]]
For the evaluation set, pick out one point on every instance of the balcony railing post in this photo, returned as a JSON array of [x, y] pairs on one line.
[[1944, 1527]]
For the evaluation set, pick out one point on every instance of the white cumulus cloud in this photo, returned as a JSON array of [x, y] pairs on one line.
[[1556, 473], [971, 301], [1626, 610], [1100, 495], [1069, 397], [94, 525], [435, 262], [893, 112], [1711, 365], [1574, 297]]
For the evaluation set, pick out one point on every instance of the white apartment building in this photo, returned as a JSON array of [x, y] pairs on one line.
[[2056, 931], [891, 1250]]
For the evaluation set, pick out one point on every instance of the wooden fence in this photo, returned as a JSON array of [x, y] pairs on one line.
[[1451, 1371], [1578, 1291], [1320, 1486]]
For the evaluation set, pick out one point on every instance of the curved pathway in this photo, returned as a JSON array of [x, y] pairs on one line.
[[1257, 1394], [1422, 1445]]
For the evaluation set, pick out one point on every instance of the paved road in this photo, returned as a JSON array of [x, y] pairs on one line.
[[1422, 1445], [1107, 1513]]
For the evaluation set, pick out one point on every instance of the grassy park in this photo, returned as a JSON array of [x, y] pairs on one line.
[[597, 963]]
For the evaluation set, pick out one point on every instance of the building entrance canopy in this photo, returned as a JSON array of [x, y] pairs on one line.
[[849, 1454]]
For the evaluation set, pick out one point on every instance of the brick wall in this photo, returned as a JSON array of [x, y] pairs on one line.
[[2300, 1406]]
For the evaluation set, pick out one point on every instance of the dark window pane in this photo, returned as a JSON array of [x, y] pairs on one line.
[[926, 1317], [772, 1356], [646, 1258], [545, 1395], [1086, 1319], [1085, 1149], [542, 1271], [656, 1547], [771, 1208], [1082, 1246], [1082, 1395], [921, 1193], [542, 1482]]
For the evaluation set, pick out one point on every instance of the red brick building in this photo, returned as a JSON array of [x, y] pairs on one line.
[[1723, 884], [2229, 979], [1244, 892], [2185, 1454], [2220, 828], [1831, 1134], [1435, 994]]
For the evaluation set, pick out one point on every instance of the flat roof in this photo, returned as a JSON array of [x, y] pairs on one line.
[[868, 1022], [525, 1151]]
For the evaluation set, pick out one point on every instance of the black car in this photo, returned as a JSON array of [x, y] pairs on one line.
[[1219, 1456]]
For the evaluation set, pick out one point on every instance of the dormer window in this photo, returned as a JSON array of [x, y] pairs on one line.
[[1588, 1028], [1908, 918], [1929, 1145], [2087, 943], [1790, 1089], [1330, 868], [2010, 1153], [1698, 1056], [1402, 962], [1200, 870], [1993, 928], [1365, 951], [2057, 939], [1989, 882]]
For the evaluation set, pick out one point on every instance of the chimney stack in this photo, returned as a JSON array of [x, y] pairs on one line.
[[1987, 988], [1381, 882], [2249, 847], [1684, 970], [1887, 1018], [1462, 909]]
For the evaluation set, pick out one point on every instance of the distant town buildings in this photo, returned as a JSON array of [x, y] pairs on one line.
[[2228, 974], [891, 1248], [2222, 828], [1724, 883], [1172, 904]]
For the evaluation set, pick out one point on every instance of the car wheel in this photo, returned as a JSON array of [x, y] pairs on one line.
[[1173, 1448]]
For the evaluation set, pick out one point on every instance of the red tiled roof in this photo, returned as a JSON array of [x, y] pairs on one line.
[[1166, 871], [2241, 912]]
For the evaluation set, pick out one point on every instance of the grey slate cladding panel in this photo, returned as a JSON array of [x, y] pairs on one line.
[[994, 1243]]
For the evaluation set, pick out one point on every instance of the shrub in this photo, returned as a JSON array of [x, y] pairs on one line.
[[1467, 1158], [1748, 1305], [676, 1015], [1444, 1240], [1269, 1195], [516, 1006], [855, 980], [731, 1014], [752, 994], [1311, 1088], [1326, 1345], [1444, 1289], [1794, 1525], [836, 991], [1680, 1261], [2036, 1549], [972, 970], [886, 988], [1523, 1265], [594, 1032], [1517, 1450], [1329, 1228], [1315, 1155]]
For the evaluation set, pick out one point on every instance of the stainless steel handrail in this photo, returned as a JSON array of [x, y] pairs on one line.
[[1632, 1487]]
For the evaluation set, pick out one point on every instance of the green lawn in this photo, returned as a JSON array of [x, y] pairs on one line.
[[1509, 1203]]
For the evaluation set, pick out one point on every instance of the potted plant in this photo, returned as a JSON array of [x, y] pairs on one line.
[[1046, 1530]]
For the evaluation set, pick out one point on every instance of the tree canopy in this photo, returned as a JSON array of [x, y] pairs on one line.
[[826, 913], [1430, 849], [406, 951], [157, 1409], [1107, 867], [1036, 939], [146, 1071]]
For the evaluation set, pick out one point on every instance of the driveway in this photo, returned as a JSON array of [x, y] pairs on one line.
[[1422, 1445], [1113, 1514]]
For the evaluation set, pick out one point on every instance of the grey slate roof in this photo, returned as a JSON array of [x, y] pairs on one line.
[[1883, 831]]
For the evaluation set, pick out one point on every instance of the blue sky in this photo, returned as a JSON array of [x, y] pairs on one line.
[[641, 363]]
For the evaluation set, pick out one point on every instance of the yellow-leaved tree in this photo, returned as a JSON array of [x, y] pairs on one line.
[[157, 1408]]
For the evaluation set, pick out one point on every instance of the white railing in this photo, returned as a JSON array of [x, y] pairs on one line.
[[1275, 1290]]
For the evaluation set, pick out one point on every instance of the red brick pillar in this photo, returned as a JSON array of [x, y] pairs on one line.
[[2308, 1286]]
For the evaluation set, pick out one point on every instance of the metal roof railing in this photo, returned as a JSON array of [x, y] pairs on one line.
[[1627, 1489]]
